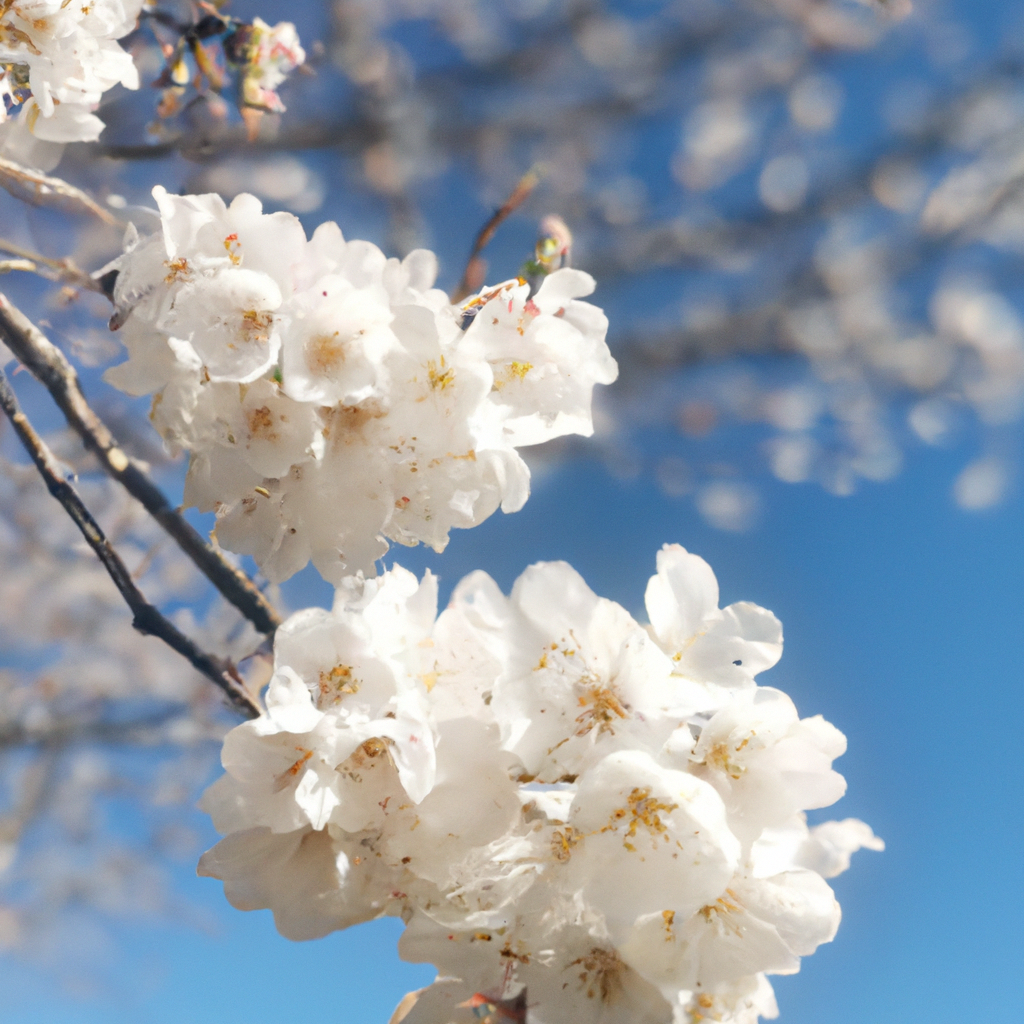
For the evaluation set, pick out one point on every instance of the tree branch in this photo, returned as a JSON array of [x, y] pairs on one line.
[[65, 271], [50, 367], [476, 268], [42, 190], [148, 619]]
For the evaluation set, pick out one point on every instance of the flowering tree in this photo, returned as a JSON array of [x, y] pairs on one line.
[[576, 815]]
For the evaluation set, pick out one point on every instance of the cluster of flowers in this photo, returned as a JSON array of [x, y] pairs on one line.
[[261, 55], [330, 397], [57, 59], [267, 55], [553, 797]]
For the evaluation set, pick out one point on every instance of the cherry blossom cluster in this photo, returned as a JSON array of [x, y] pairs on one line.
[[331, 398], [262, 57], [267, 54], [56, 61], [554, 798]]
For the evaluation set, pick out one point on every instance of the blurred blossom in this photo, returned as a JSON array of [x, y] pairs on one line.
[[930, 420], [815, 102], [717, 137], [792, 457], [920, 363], [948, 43], [623, 200], [770, 60], [986, 116], [794, 408], [982, 319], [10, 929], [282, 180], [607, 42], [705, 313], [728, 504], [850, 257], [969, 193], [877, 457], [94, 348], [783, 183], [837, 477], [982, 484], [899, 185], [813, 328], [841, 27]]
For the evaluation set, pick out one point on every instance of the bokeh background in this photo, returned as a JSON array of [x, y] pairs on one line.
[[806, 222]]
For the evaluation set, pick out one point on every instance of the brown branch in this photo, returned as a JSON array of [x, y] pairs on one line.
[[65, 271], [42, 190], [6, 266], [39, 778], [476, 268], [50, 367], [147, 619], [349, 136]]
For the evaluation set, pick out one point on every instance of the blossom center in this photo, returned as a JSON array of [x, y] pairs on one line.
[[337, 683], [601, 707], [720, 912], [256, 325], [261, 423], [642, 809], [600, 974], [563, 841]]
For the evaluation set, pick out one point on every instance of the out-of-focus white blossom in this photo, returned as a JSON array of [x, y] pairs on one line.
[[268, 54], [550, 795], [58, 59], [331, 398]]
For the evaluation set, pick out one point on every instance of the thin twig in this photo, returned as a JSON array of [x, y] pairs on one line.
[[50, 367], [37, 785], [476, 268], [42, 190], [6, 266], [66, 270], [147, 619]]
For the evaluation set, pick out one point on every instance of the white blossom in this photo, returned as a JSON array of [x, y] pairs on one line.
[[555, 810], [269, 54], [825, 848], [332, 399], [727, 646], [736, 1003], [59, 60], [766, 761]]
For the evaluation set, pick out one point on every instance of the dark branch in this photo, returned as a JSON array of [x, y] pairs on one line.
[[50, 367], [147, 619], [349, 136], [473, 275]]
